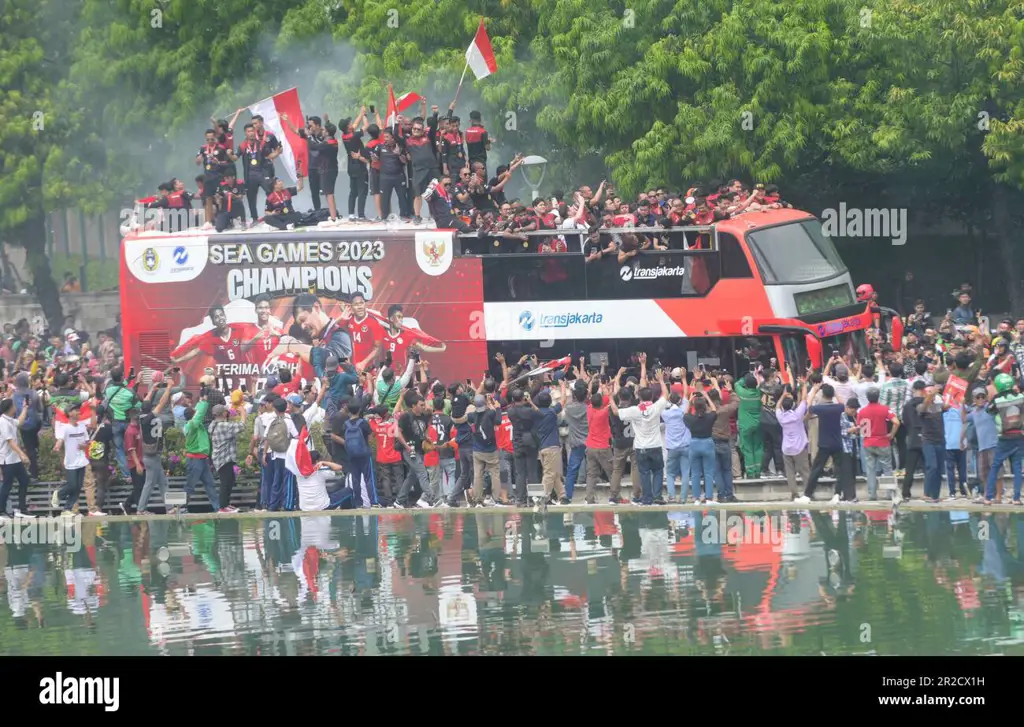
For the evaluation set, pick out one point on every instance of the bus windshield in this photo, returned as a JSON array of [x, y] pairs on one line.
[[853, 344], [798, 252]]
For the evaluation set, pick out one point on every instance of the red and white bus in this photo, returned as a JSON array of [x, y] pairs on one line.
[[762, 285]]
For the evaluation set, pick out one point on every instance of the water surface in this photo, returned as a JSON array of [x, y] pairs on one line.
[[593, 583]]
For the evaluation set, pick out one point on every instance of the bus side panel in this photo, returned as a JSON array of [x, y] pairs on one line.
[[171, 286]]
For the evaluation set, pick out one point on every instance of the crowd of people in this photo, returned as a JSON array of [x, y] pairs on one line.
[[431, 159], [946, 400]]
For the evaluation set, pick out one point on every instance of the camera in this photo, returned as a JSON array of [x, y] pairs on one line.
[[414, 355]]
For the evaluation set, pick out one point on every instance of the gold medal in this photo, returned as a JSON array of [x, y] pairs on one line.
[[253, 162]]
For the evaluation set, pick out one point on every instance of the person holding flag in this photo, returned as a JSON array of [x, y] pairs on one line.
[[310, 473]]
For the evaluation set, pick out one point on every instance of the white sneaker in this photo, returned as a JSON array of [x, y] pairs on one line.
[[97, 513], [422, 503], [55, 499], [23, 515], [834, 500], [802, 500], [68, 513]]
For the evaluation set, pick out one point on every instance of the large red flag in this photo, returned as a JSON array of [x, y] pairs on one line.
[[294, 151]]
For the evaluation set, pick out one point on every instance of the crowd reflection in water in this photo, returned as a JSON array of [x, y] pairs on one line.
[[511, 583]]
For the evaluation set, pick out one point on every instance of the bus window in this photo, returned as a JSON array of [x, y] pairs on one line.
[[734, 262], [796, 354], [853, 344], [797, 252]]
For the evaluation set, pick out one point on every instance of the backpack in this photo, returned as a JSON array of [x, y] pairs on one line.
[[29, 399], [277, 436], [355, 439]]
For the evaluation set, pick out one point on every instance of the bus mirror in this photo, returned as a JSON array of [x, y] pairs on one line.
[[896, 335], [813, 351]]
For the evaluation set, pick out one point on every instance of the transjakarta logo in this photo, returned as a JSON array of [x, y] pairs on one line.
[[631, 272], [180, 255], [563, 320]]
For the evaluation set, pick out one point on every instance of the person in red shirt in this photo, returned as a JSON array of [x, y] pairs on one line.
[[873, 421], [506, 454], [289, 384], [599, 444], [365, 331], [225, 343], [389, 473], [397, 339]]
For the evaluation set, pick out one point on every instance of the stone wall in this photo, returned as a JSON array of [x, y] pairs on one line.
[[92, 311]]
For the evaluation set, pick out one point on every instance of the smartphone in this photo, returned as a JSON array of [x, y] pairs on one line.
[[176, 369], [131, 373], [242, 388], [372, 109]]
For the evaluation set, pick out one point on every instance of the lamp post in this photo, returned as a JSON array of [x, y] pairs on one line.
[[533, 168]]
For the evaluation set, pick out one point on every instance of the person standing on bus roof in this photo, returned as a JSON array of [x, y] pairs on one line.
[[215, 161], [478, 143], [315, 139], [257, 165]]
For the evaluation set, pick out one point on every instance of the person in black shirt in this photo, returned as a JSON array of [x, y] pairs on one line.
[[453, 153], [439, 202], [316, 142], [215, 161], [372, 152], [392, 172], [524, 444], [358, 163], [329, 163], [412, 430], [280, 208], [477, 141], [425, 168], [439, 438], [230, 202], [254, 154], [336, 446]]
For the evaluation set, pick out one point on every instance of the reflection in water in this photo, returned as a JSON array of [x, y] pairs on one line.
[[496, 582]]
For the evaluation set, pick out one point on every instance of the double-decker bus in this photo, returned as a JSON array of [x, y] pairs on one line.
[[243, 303]]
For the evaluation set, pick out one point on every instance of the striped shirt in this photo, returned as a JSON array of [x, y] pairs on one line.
[[895, 393], [849, 441]]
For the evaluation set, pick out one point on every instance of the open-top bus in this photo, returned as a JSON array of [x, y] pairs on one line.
[[762, 285]]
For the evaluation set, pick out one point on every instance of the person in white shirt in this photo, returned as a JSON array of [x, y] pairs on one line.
[[282, 490], [13, 458], [647, 440], [258, 451], [313, 494], [74, 441]]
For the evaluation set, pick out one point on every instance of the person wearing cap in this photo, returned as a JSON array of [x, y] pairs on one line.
[[180, 402], [152, 424], [118, 398], [1006, 405], [224, 448], [748, 420], [197, 454], [977, 420]]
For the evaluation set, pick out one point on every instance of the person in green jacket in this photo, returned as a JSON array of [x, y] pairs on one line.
[[748, 421], [197, 452], [118, 398]]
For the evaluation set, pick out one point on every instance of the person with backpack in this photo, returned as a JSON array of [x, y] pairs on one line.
[[153, 423], [197, 453], [118, 398], [98, 453], [27, 400], [224, 445], [1008, 406], [357, 447], [279, 434]]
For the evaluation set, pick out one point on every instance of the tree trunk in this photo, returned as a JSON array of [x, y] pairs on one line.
[[1005, 234], [32, 236]]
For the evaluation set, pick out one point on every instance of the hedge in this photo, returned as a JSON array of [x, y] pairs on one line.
[[51, 462]]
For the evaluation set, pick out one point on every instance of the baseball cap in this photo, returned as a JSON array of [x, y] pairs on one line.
[[177, 397], [294, 399], [677, 373], [157, 377]]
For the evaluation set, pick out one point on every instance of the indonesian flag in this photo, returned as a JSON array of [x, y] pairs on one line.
[[294, 151], [408, 100], [298, 460], [549, 366], [480, 56], [392, 117]]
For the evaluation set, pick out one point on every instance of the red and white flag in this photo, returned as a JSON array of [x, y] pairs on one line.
[[294, 152], [392, 118], [480, 55], [408, 100], [562, 363], [298, 460]]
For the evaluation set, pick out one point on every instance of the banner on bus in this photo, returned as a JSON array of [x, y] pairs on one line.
[[247, 306]]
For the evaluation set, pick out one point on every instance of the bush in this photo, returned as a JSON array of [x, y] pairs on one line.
[[51, 462]]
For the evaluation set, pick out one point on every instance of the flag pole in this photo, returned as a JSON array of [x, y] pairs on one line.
[[460, 83]]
